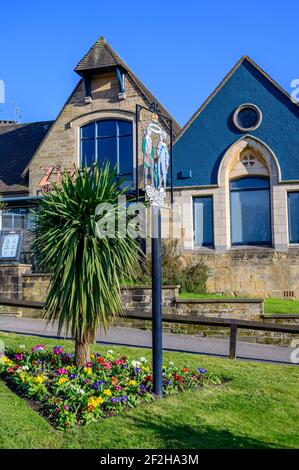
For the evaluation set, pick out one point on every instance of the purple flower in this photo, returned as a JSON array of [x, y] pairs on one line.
[[86, 381], [58, 350], [124, 398], [137, 370], [142, 388], [167, 382], [38, 348], [201, 371], [19, 357], [66, 407], [115, 400], [62, 371], [73, 376], [96, 385], [124, 366]]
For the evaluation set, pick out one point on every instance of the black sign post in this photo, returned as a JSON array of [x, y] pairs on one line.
[[156, 196], [157, 301]]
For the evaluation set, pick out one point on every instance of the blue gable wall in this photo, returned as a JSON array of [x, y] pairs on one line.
[[203, 144]]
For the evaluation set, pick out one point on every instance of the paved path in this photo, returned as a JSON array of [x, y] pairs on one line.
[[173, 342]]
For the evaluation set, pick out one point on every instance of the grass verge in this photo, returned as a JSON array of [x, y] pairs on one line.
[[256, 408], [272, 305]]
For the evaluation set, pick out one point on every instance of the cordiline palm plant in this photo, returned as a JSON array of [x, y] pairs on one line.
[[86, 271]]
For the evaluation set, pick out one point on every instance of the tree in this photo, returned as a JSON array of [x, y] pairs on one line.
[[86, 271]]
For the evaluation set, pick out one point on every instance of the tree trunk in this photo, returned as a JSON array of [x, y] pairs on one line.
[[82, 353]]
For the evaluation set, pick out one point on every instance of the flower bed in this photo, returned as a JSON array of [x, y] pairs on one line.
[[108, 384]]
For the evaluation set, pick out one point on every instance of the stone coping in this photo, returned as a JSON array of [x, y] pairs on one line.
[[219, 301], [137, 286], [36, 275], [14, 264], [150, 287], [281, 316]]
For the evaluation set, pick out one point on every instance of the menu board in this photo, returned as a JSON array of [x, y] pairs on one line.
[[10, 245]]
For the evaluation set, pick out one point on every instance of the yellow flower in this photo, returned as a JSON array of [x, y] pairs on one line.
[[22, 376], [5, 360], [95, 401], [87, 370], [39, 379], [132, 382], [92, 356], [62, 380], [107, 392], [146, 369]]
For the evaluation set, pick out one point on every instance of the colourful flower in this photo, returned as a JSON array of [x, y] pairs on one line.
[[39, 379], [115, 400], [107, 392], [87, 370], [62, 380], [6, 361], [58, 350], [62, 371], [38, 348], [132, 382], [93, 402], [19, 357], [107, 365], [22, 376]]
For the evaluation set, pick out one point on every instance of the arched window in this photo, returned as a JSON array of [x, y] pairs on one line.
[[250, 211], [110, 140]]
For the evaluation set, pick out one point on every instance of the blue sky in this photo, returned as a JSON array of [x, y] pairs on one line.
[[180, 50]]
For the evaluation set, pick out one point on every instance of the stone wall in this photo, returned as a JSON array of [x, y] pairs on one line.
[[11, 283], [252, 272], [138, 299], [242, 309]]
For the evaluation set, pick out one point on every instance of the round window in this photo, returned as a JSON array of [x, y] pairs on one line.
[[247, 117]]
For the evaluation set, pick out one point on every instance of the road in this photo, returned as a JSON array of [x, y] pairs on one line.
[[142, 338]]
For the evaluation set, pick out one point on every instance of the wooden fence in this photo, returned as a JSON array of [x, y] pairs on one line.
[[233, 324]]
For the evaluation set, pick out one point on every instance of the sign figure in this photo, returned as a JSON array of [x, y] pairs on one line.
[[148, 155], [163, 162]]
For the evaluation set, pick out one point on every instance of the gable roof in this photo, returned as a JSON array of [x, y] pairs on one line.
[[223, 82], [101, 56], [18, 142]]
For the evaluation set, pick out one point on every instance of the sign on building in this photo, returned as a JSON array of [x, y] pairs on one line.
[[10, 246]]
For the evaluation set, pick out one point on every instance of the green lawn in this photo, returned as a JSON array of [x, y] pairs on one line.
[[271, 305], [258, 407]]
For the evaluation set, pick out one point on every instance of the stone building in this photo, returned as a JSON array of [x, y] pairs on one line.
[[235, 167]]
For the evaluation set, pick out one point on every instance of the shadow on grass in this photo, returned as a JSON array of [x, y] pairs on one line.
[[200, 436]]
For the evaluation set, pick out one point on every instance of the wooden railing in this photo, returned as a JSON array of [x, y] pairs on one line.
[[232, 324]]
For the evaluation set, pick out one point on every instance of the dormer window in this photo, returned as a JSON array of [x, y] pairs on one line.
[[109, 140]]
